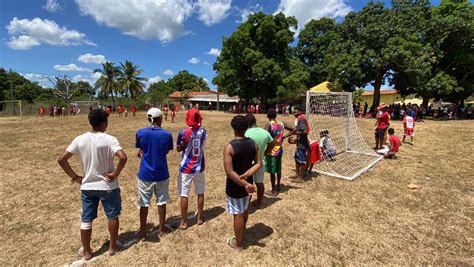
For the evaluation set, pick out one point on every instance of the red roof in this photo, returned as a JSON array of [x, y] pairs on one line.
[[382, 92], [178, 94]]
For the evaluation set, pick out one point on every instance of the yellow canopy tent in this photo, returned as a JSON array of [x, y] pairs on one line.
[[322, 87]]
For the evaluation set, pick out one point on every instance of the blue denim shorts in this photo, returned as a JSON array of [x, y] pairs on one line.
[[300, 155], [110, 200]]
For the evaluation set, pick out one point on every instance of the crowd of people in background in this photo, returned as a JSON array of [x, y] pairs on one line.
[[418, 112]]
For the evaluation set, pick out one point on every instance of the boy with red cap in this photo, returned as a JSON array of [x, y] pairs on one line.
[[191, 142]]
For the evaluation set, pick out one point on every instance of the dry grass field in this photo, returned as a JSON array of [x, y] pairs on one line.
[[373, 220]]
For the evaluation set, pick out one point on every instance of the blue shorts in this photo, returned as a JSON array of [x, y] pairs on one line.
[[300, 155], [237, 205], [110, 200]]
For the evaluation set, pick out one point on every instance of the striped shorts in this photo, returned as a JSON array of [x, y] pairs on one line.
[[237, 205]]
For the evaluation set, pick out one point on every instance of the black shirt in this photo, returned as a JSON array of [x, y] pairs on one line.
[[243, 159]]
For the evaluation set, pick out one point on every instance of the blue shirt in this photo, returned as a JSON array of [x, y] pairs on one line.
[[155, 144], [192, 160]]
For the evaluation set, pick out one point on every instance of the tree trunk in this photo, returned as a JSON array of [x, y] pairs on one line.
[[377, 86], [113, 98], [426, 101]]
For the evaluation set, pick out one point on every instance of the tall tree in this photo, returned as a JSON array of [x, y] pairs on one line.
[[158, 92], [108, 81], [313, 46], [256, 58], [64, 89], [186, 82], [128, 80]]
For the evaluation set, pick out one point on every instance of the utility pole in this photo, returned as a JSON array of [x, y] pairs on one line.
[[217, 90], [11, 90]]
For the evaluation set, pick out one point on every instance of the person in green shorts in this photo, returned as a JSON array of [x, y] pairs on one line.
[[263, 140], [273, 158]]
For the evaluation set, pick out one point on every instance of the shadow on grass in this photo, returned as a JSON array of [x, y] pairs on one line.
[[255, 234], [266, 202], [208, 214], [285, 188]]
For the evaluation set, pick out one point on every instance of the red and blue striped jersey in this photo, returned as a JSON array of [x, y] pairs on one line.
[[192, 159]]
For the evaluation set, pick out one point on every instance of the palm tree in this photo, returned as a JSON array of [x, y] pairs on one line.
[[200, 85], [128, 80], [107, 82]]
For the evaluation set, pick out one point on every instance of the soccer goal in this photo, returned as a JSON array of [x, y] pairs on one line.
[[11, 108], [83, 107], [344, 154]]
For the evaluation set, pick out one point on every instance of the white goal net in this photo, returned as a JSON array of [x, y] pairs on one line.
[[344, 153], [11, 108], [83, 107]]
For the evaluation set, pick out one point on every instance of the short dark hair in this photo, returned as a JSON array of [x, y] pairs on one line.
[[272, 113], [323, 133], [251, 120], [391, 131], [97, 117], [239, 123]]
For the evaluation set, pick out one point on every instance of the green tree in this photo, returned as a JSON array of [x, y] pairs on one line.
[[64, 89], [158, 92], [128, 80], [313, 46], [108, 81], [186, 82], [256, 58], [84, 88], [12, 84]]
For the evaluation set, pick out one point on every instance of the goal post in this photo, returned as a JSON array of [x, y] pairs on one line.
[[11, 108], [82, 107], [344, 153]]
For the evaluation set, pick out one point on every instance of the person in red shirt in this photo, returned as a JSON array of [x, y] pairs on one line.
[[134, 110], [409, 128], [120, 110], [394, 144], [383, 119]]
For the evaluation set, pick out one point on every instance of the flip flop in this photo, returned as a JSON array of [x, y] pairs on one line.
[[232, 244]]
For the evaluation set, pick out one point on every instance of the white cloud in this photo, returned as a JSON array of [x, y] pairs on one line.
[[52, 6], [305, 10], [145, 19], [22, 42], [152, 80], [42, 80], [194, 60], [38, 31], [213, 11], [214, 52], [92, 59], [168, 72], [206, 63], [71, 67], [246, 12], [91, 79]]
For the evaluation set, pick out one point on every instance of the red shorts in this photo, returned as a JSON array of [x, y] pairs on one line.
[[314, 153], [409, 132]]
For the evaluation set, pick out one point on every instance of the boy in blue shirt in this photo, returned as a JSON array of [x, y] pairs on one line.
[[153, 143]]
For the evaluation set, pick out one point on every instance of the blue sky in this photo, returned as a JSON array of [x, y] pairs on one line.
[[41, 38]]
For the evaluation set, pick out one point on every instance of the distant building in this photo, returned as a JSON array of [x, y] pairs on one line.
[[391, 96], [206, 99]]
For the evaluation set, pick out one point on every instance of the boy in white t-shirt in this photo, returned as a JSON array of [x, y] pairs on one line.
[[96, 151], [409, 127]]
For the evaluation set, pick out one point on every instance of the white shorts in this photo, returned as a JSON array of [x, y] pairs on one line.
[[258, 176], [237, 205], [147, 189], [185, 180]]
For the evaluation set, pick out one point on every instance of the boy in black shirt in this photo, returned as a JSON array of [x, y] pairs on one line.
[[241, 160]]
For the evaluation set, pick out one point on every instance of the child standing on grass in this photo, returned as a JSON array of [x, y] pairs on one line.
[[241, 160], [265, 142], [273, 159], [153, 143], [191, 142], [409, 128], [394, 144], [96, 151]]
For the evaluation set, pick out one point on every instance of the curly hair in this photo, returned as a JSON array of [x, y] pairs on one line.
[[239, 123]]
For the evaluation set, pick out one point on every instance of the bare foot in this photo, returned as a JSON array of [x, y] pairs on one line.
[[114, 248], [85, 255], [183, 225], [200, 221]]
